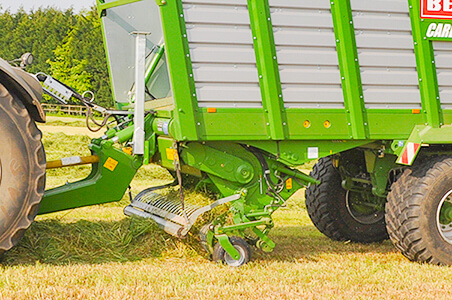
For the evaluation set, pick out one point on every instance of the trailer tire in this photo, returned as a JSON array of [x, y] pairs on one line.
[[327, 207], [22, 169], [413, 211]]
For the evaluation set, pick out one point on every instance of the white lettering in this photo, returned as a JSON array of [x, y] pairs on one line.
[[447, 6], [434, 5], [446, 30], [431, 29], [439, 30]]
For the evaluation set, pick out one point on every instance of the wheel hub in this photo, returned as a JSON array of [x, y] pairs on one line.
[[444, 217], [362, 211], [235, 263]]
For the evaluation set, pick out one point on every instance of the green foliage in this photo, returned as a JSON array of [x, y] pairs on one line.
[[65, 45], [68, 69]]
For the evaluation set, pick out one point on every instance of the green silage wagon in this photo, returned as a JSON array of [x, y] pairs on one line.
[[235, 95]]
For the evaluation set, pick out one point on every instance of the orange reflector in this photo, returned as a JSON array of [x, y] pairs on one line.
[[211, 110], [416, 111], [289, 184]]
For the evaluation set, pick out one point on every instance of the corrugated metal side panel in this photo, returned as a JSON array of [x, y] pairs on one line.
[[443, 58], [386, 54], [307, 56], [222, 54]]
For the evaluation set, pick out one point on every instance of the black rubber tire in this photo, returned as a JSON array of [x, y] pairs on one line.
[[326, 205], [411, 211], [22, 170], [220, 255]]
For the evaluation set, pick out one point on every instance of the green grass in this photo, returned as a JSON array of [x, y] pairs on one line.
[[97, 253]]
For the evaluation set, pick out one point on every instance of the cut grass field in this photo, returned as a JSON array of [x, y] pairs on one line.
[[98, 253]]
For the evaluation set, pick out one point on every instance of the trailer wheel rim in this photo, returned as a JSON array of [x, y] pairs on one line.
[[368, 217], [235, 263], [444, 217]]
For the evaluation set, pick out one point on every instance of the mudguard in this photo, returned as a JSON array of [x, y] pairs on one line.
[[26, 87]]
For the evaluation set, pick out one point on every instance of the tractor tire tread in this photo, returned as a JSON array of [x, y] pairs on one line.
[[32, 135]]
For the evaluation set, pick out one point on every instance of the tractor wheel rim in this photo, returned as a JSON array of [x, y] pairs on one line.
[[445, 228], [366, 219], [235, 263]]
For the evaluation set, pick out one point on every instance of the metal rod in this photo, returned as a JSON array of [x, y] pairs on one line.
[[140, 87], [154, 63], [72, 161]]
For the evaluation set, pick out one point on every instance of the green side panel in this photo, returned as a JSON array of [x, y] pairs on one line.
[[349, 65], [447, 115], [392, 123], [425, 59], [180, 69], [234, 124], [318, 124], [267, 65]]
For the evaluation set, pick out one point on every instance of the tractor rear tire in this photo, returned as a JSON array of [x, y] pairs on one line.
[[414, 209], [22, 169], [327, 207]]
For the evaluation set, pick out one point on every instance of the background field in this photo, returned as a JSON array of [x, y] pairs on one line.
[[98, 253]]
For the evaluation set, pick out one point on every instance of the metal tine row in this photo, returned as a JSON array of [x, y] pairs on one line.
[[158, 200], [168, 205], [159, 212]]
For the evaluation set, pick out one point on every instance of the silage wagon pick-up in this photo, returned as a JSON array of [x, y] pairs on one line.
[[237, 94]]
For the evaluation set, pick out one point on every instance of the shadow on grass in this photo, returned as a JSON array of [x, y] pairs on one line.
[[132, 239], [307, 243]]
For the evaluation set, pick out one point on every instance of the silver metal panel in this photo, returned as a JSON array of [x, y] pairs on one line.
[[443, 58], [382, 21], [222, 54], [301, 18], [387, 6], [298, 37], [307, 4], [386, 54], [224, 74], [386, 59], [298, 75], [118, 24], [307, 56], [209, 34], [388, 77], [379, 40], [312, 96], [220, 95]]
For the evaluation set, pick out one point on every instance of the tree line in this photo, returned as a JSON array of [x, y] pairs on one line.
[[66, 45]]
